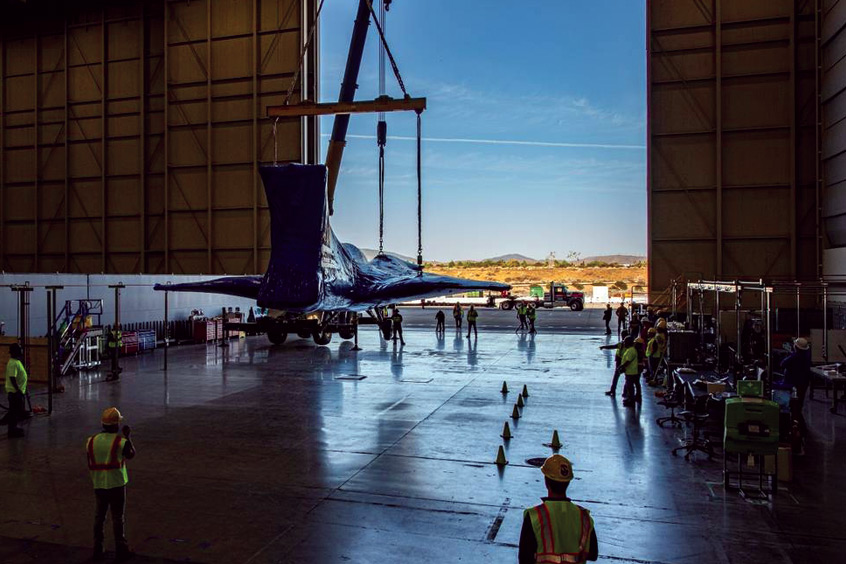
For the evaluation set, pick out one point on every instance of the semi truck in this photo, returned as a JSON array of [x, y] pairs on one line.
[[557, 296]]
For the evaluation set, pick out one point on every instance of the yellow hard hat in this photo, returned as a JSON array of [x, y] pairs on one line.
[[557, 468], [662, 323], [111, 416], [651, 331], [639, 340]]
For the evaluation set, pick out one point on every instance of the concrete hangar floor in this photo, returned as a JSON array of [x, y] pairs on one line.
[[299, 453]]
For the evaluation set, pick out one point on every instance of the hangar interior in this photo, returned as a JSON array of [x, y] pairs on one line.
[[133, 139]]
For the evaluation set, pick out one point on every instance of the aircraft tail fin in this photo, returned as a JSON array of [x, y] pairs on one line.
[[296, 196]]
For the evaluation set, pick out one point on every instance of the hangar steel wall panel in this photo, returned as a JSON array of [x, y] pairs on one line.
[[732, 125], [131, 133], [833, 50]]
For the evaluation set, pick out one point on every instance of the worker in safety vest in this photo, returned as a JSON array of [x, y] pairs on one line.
[[396, 321], [653, 356], [618, 356], [532, 316], [522, 310], [16, 380], [557, 531], [472, 316], [630, 364], [458, 315], [107, 455]]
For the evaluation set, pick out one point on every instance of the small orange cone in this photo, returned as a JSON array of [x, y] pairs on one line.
[[506, 431], [515, 414], [504, 387], [525, 391], [500, 457], [520, 401], [556, 442]]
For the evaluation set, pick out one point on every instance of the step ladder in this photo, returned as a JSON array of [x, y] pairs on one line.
[[78, 330]]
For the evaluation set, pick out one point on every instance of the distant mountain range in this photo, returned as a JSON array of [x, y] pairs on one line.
[[513, 256], [619, 259]]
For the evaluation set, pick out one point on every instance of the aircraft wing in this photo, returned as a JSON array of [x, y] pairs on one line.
[[240, 286], [408, 285]]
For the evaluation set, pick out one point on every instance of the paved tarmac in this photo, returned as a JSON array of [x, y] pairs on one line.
[[549, 320], [297, 453]]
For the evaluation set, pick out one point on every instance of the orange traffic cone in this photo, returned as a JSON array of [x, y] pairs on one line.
[[500, 457]]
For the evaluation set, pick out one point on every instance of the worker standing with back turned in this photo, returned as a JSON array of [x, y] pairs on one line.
[[557, 531], [16, 381], [472, 316], [521, 315], [457, 314], [396, 320], [107, 455]]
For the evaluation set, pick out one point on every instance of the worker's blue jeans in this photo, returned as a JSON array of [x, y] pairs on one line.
[[632, 388]]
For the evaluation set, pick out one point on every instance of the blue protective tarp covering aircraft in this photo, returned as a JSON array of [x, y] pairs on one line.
[[310, 271]]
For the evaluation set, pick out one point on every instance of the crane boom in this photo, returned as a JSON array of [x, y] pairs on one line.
[[339, 130]]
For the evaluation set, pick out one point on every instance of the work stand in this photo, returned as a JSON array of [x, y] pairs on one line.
[[767, 484]]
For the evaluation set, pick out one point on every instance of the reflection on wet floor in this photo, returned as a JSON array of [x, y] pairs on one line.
[[298, 453]]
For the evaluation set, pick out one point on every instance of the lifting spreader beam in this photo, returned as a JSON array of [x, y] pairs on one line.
[[381, 104]]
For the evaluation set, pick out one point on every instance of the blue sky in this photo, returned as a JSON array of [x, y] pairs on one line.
[[566, 79]]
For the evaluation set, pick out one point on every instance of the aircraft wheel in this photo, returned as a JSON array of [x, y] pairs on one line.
[[346, 333], [322, 337], [276, 337]]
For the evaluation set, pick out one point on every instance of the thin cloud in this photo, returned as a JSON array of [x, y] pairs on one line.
[[504, 142]]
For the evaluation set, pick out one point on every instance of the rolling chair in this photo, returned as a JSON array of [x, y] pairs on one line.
[[673, 400], [694, 416]]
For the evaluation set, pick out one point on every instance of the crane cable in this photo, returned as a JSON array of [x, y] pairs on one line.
[[419, 191], [395, 68], [382, 134]]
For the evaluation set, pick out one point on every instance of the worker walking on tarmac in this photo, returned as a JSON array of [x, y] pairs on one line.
[[396, 321], [532, 315], [557, 531], [522, 310], [440, 318], [107, 455], [472, 316], [16, 382], [622, 314], [458, 315], [606, 317]]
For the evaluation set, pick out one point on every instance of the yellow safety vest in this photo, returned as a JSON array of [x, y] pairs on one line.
[[116, 339], [472, 315], [106, 463], [562, 531], [15, 369], [629, 362]]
